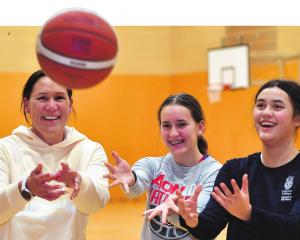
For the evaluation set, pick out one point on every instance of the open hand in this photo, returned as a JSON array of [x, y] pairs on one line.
[[121, 173], [38, 184], [236, 203], [188, 208], [164, 209], [70, 178]]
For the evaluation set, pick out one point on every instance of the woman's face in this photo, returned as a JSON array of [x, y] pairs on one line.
[[179, 130], [273, 116], [49, 107]]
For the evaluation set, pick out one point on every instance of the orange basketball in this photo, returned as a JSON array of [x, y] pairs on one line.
[[77, 48]]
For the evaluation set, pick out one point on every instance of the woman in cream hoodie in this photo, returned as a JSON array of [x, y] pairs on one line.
[[50, 174]]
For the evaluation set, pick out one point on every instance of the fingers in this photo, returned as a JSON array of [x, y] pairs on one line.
[[45, 187], [235, 187], [47, 177], [148, 212], [154, 213], [195, 195], [74, 193], [245, 183], [179, 194], [218, 196], [38, 169], [236, 203], [125, 187], [58, 175], [77, 185], [48, 191], [65, 166], [225, 189], [110, 167], [159, 210], [39, 187], [116, 156], [73, 181], [114, 183], [182, 209], [190, 217], [174, 208], [67, 176], [65, 169], [110, 176], [164, 216], [164, 209]]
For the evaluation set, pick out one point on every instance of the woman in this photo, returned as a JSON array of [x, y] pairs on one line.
[[188, 164], [257, 196], [50, 174]]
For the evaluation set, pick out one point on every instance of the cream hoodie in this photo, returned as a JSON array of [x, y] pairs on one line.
[[40, 219]]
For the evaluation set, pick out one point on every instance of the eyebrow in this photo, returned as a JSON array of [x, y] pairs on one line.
[[45, 93], [179, 120], [275, 100]]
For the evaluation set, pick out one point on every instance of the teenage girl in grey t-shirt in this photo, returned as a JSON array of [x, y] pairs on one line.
[[182, 127]]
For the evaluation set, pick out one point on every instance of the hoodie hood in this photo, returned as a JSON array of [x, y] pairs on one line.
[[26, 135]]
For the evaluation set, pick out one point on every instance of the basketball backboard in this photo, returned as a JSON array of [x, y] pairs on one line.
[[229, 67]]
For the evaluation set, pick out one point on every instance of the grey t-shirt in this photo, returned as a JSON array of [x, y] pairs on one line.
[[161, 177]]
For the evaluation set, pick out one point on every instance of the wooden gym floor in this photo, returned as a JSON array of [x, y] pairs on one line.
[[120, 220]]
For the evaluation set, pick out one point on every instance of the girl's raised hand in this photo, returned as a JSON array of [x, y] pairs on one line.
[[120, 173]]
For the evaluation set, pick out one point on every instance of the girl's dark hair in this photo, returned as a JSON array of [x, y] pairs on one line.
[[291, 88], [28, 87], [191, 103]]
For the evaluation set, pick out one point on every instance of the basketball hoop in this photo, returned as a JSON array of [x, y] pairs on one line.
[[214, 92]]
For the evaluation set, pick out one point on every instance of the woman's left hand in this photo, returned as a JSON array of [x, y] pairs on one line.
[[236, 203], [71, 178]]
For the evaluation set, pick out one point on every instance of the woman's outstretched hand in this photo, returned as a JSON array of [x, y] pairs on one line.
[[70, 178], [237, 202], [120, 173], [38, 184]]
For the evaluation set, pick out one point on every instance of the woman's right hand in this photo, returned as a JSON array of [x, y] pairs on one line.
[[121, 173], [38, 184]]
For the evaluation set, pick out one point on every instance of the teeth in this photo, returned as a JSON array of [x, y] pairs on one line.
[[267, 124], [51, 117], [175, 142]]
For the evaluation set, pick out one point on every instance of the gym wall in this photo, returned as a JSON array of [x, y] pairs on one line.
[[153, 62]]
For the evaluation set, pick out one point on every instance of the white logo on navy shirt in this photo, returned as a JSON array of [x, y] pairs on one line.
[[286, 193]]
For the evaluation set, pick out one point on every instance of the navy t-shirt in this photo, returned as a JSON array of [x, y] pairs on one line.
[[274, 196]]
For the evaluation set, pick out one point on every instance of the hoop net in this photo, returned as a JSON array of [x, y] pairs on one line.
[[214, 92]]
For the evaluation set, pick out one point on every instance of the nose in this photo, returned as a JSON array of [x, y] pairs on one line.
[[267, 111], [51, 105], [173, 131]]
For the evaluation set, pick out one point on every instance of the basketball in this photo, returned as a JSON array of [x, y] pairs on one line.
[[77, 48]]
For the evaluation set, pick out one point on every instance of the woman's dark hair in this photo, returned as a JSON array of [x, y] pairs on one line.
[[291, 88], [28, 87], [191, 103]]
